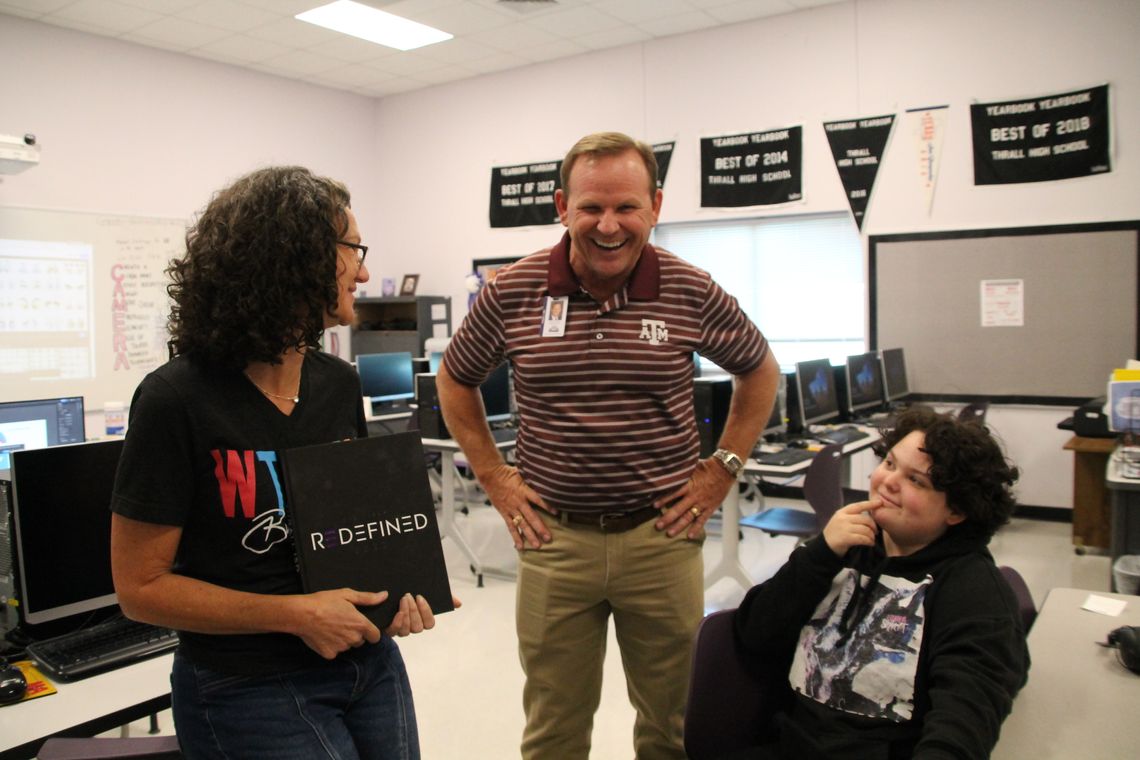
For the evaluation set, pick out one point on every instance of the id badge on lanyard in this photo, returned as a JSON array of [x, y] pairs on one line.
[[554, 316]]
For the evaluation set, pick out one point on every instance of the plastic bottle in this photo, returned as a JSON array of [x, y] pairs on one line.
[[115, 418]]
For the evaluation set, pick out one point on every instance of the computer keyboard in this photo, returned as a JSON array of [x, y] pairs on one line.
[[110, 644], [842, 435], [785, 458]]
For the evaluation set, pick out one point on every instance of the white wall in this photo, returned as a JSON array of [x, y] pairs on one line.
[[127, 129]]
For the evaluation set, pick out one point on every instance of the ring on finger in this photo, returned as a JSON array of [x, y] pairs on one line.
[[517, 520], [696, 511]]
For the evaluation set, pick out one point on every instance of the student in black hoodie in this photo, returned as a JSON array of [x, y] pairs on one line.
[[892, 634]]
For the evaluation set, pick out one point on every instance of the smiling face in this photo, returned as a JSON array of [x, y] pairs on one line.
[[913, 513], [609, 212], [348, 275]]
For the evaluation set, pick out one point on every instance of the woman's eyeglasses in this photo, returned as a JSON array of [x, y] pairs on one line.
[[361, 251]]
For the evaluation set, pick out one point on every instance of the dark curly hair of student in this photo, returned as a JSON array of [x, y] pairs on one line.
[[967, 464], [259, 273]]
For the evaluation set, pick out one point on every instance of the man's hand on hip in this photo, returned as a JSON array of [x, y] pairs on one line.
[[694, 503], [516, 502]]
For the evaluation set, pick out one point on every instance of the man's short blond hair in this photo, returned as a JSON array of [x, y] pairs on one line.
[[609, 144]]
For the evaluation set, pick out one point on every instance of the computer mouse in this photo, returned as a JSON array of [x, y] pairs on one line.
[[13, 685], [1126, 639]]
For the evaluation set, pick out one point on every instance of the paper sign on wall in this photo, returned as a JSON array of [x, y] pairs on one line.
[[1003, 303]]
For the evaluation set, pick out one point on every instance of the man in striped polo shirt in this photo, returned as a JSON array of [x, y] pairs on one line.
[[609, 499]]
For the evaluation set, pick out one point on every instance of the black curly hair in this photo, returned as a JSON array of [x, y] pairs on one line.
[[259, 273], [967, 464]]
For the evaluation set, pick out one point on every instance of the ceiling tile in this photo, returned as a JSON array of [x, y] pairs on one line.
[[32, 8], [293, 33], [508, 38], [638, 11], [352, 49], [446, 74], [557, 49], [616, 37], [746, 10], [165, 7], [574, 22], [497, 62], [458, 51], [180, 34], [228, 15], [463, 18], [239, 47], [106, 14], [678, 24]]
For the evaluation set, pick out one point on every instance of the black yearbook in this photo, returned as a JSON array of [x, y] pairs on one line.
[[363, 517]]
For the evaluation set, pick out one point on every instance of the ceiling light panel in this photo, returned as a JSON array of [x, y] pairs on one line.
[[374, 25]]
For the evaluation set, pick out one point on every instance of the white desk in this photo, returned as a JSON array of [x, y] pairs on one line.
[[447, 449], [86, 707], [1079, 701], [730, 565]]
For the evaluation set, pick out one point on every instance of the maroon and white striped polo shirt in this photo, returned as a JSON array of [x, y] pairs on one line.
[[606, 418]]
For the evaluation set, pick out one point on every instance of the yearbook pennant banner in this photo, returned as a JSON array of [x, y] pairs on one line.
[[663, 152], [928, 126], [1041, 139], [752, 169], [857, 146], [524, 195]]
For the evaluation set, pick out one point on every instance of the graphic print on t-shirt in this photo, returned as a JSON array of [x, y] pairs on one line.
[[237, 473], [870, 672]]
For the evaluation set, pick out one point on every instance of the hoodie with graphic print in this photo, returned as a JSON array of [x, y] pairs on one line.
[[887, 657]]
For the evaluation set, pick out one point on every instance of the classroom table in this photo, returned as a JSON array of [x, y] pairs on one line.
[[1080, 702], [447, 449], [86, 707], [729, 565]]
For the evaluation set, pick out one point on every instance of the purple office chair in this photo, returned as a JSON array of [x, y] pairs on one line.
[[1025, 603], [823, 490], [726, 710]]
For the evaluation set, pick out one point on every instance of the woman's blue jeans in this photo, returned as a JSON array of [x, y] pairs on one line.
[[358, 706]]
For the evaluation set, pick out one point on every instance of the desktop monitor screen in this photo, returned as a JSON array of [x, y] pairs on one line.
[[38, 424], [894, 373], [435, 358], [778, 419], [61, 529], [496, 392], [815, 384], [864, 382], [386, 377]]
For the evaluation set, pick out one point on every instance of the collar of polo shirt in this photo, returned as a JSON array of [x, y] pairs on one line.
[[644, 283]]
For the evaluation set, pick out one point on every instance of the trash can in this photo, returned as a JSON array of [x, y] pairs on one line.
[[1126, 574]]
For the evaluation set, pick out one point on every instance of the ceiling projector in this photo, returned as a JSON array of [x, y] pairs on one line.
[[18, 153]]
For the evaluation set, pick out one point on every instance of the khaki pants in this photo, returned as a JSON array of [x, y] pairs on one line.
[[654, 588]]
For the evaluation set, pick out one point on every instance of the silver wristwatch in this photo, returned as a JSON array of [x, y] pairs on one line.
[[729, 461]]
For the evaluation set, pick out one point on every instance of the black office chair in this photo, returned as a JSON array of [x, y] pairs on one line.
[[1025, 603], [823, 490], [97, 748], [974, 412], [726, 710]]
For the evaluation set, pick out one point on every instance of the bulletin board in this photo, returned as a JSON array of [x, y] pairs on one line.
[[83, 302], [1019, 315]]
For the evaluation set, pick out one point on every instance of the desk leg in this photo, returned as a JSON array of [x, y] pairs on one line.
[[729, 565], [447, 527]]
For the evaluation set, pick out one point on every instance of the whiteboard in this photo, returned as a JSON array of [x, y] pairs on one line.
[[83, 302], [1039, 314]]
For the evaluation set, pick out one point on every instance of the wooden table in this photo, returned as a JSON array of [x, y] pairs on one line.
[[1091, 504]]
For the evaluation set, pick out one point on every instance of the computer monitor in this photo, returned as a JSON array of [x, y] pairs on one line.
[[496, 392], [435, 358], [38, 424], [815, 385], [61, 529], [778, 420], [386, 377], [894, 374], [864, 382]]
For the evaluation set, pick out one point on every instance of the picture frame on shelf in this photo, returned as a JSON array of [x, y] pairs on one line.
[[408, 286], [388, 286]]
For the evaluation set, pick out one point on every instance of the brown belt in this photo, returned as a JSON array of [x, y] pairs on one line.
[[609, 522]]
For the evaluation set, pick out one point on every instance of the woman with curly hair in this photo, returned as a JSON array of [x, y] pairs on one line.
[[199, 542], [892, 634]]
